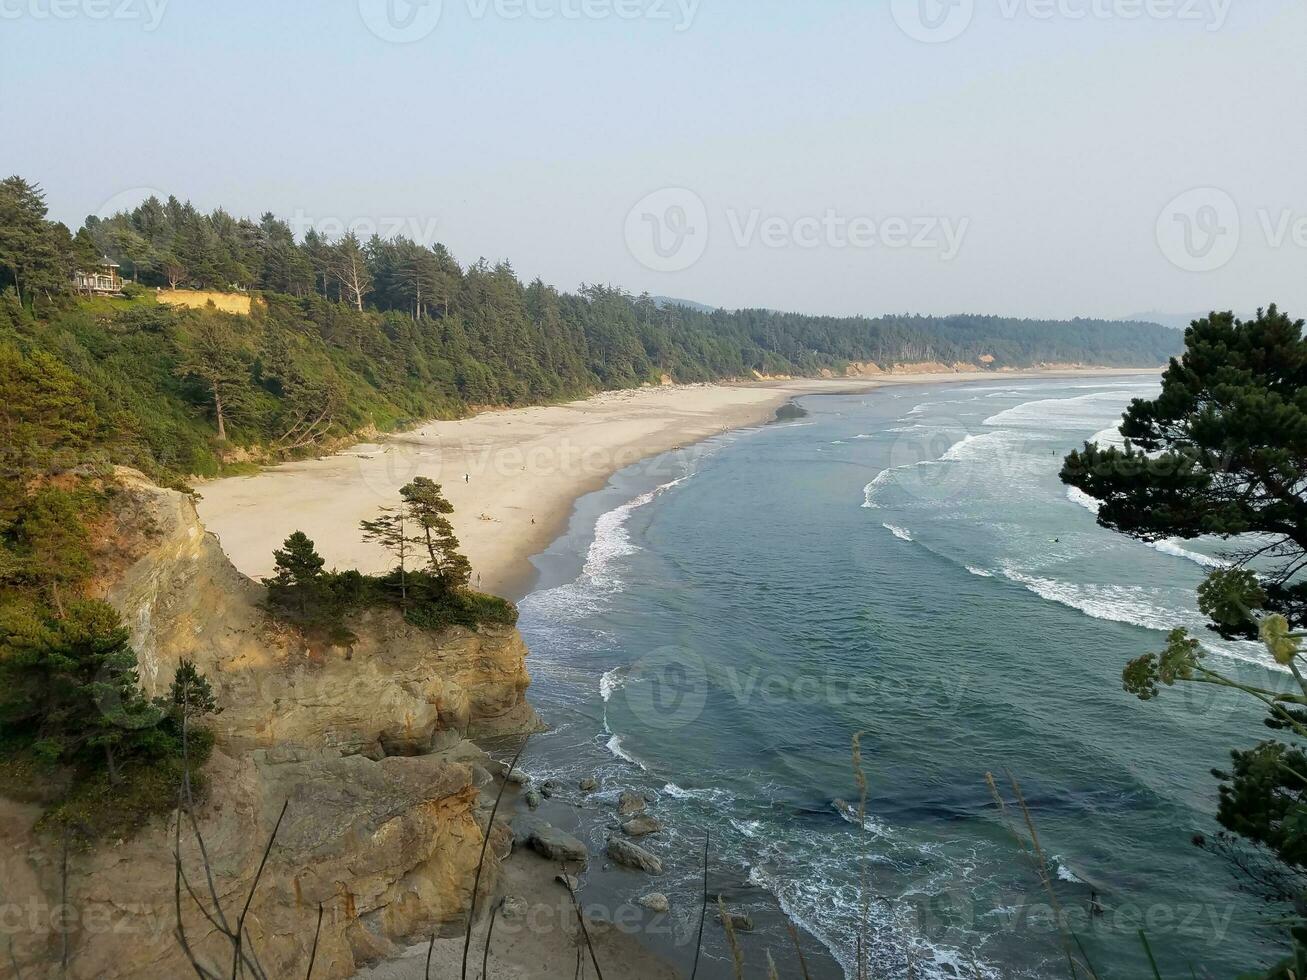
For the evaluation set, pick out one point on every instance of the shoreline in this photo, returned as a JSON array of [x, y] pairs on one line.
[[558, 455], [513, 475]]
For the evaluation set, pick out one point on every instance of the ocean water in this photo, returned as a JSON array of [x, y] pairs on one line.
[[717, 623]]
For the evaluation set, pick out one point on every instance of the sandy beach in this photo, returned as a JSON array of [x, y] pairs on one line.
[[512, 476]]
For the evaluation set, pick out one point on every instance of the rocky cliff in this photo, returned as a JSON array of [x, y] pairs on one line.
[[366, 747]]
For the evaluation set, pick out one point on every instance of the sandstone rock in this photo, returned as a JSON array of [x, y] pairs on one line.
[[654, 902], [533, 798], [642, 825], [400, 690], [630, 803], [549, 787], [588, 785], [633, 856], [518, 778], [740, 922], [568, 881], [558, 845], [383, 834]]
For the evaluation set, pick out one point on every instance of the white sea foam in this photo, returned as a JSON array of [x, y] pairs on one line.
[[598, 578], [1131, 604], [901, 533], [611, 681], [1078, 496], [749, 828], [1171, 547], [979, 571], [614, 745], [1064, 872], [708, 795], [1078, 412], [1108, 437]]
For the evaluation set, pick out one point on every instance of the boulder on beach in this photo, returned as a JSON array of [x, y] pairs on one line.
[[557, 845], [630, 803], [589, 785], [654, 902], [633, 856], [641, 825], [532, 798], [741, 922], [570, 882], [549, 787]]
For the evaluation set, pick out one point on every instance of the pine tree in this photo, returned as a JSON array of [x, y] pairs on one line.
[[298, 579], [211, 355], [391, 531], [427, 508], [73, 682], [189, 696]]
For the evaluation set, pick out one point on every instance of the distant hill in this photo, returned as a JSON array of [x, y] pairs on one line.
[[1180, 321], [662, 302]]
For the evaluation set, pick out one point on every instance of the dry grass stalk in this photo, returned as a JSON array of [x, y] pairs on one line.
[[737, 954], [798, 949], [703, 913], [476, 882], [580, 918], [860, 780], [490, 931], [771, 968], [313, 954], [1041, 868]]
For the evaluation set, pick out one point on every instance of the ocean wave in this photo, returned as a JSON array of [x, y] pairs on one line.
[[1078, 496], [612, 680], [708, 795], [1108, 437], [614, 745], [1064, 872], [1130, 604], [979, 571], [1171, 547], [901, 533], [1077, 412], [611, 542]]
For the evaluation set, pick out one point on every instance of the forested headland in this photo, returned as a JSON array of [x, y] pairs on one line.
[[347, 336]]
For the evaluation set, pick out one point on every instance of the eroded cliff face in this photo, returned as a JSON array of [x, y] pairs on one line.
[[366, 745]]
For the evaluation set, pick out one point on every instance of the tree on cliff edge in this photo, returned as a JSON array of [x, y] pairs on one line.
[[297, 583], [428, 510], [1222, 452]]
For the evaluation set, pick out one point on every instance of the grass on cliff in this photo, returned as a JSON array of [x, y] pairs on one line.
[[322, 607], [81, 800]]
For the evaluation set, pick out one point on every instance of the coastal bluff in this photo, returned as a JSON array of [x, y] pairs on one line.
[[365, 745]]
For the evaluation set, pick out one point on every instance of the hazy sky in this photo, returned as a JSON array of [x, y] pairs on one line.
[[1032, 157]]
